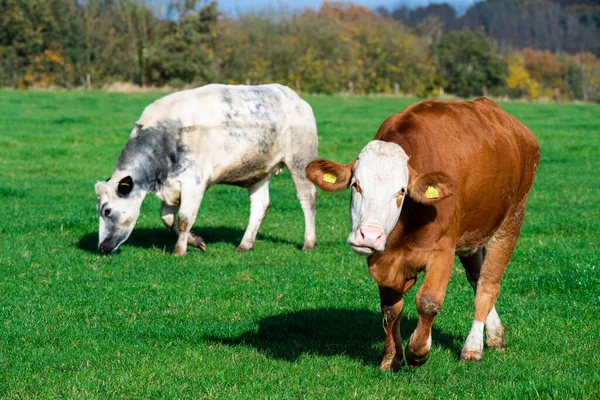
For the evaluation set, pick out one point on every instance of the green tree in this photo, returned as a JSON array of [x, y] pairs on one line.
[[108, 49], [468, 62], [185, 52]]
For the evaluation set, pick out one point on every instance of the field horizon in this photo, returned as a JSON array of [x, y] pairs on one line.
[[275, 322]]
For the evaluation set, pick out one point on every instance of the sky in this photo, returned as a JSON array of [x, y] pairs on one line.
[[234, 7]]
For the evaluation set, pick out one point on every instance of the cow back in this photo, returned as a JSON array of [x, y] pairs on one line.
[[491, 157]]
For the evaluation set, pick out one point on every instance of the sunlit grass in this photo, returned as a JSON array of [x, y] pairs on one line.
[[276, 322]]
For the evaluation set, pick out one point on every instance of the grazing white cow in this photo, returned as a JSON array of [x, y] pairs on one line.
[[217, 134]]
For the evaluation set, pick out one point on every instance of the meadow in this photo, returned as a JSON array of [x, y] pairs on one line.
[[276, 322]]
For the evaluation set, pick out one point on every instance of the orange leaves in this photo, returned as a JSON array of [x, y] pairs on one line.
[[47, 69], [556, 76]]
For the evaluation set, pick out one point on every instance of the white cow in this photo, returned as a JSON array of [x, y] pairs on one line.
[[188, 141]]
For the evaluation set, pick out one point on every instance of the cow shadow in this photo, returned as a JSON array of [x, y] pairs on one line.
[[357, 334], [162, 238]]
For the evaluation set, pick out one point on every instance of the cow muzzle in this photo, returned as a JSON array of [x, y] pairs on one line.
[[106, 248], [366, 240]]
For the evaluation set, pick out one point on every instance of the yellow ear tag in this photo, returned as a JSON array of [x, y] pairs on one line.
[[432, 193], [329, 178]]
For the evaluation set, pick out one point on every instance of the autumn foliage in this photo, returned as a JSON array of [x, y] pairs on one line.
[[340, 48]]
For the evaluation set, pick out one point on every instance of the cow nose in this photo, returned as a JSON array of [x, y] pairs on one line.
[[371, 237], [104, 249]]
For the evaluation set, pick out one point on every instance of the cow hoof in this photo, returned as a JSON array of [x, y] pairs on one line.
[[415, 360], [394, 364], [308, 246], [471, 355], [198, 242], [242, 248], [496, 343], [178, 253]]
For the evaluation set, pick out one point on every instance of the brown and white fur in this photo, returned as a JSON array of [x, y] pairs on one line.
[[438, 179]]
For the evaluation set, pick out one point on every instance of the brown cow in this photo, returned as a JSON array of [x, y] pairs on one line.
[[461, 173]]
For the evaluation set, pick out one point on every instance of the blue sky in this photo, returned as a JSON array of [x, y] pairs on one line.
[[236, 6]]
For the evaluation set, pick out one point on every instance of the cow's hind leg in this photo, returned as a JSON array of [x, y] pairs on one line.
[[493, 327], [259, 203], [307, 195], [497, 256], [168, 215]]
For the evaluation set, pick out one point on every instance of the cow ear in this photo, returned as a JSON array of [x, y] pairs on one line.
[[125, 186], [429, 188], [100, 188], [328, 175]]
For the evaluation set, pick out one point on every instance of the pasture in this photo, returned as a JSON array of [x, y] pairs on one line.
[[275, 322]]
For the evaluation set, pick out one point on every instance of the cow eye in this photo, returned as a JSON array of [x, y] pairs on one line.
[[107, 212], [354, 185], [402, 192]]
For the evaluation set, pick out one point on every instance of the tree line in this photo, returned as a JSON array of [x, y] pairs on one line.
[[572, 26], [339, 48]]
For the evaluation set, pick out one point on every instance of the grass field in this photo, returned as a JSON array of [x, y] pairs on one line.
[[276, 322]]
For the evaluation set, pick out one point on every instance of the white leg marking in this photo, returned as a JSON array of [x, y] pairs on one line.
[[492, 322], [474, 341], [427, 345], [494, 330]]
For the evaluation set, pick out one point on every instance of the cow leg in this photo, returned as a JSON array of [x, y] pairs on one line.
[[168, 214], [191, 197], [259, 202], [494, 331], [307, 194], [472, 264], [429, 300], [392, 304], [493, 327], [497, 255]]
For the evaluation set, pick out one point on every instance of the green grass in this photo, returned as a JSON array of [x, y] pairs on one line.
[[276, 322]]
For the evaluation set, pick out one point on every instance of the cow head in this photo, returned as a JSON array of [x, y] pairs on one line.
[[119, 202], [380, 179]]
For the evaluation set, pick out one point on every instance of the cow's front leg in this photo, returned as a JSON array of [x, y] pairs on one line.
[[429, 300], [259, 202], [191, 197], [168, 215], [392, 304]]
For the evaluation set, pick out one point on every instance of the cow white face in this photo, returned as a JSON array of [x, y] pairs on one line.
[[379, 185], [380, 179], [118, 205]]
